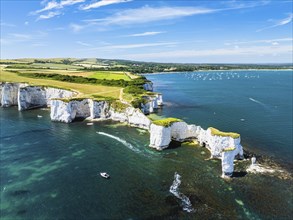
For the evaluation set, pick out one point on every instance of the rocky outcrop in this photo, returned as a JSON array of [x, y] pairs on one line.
[[9, 93], [225, 148], [99, 109], [28, 97], [160, 137], [62, 111], [39, 96], [67, 111], [152, 102], [137, 119], [148, 86]]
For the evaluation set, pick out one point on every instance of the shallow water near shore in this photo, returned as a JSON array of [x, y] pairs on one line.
[[51, 170]]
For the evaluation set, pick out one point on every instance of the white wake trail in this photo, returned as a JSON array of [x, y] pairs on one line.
[[122, 141], [256, 101]]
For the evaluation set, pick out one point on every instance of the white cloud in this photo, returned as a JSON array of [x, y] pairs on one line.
[[55, 5], [148, 14], [132, 46], [236, 4], [50, 5], [76, 27], [70, 2], [149, 33], [14, 38], [278, 23], [4, 24], [268, 41], [83, 44], [51, 14], [103, 3]]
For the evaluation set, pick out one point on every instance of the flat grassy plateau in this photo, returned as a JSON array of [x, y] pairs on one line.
[[9, 73]]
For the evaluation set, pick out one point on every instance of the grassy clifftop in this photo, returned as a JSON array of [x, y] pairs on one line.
[[166, 122], [70, 74], [217, 132]]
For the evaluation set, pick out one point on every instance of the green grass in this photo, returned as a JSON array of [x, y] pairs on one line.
[[229, 149], [94, 97], [119, 106], [110, 75], [216, 132], [55, 66], [84, 89], [166, 122]]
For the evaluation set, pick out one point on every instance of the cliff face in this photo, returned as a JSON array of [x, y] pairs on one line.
[[148, 86], [153, 102], [160, 137], [64, 111], [31, 97], [67, 111], [9, 92], [224, 148], [27, 97], [99, 109]]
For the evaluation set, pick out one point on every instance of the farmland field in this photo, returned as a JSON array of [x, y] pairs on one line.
[[84, 90], [110, 75]]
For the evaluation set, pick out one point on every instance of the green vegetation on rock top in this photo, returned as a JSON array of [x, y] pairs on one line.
[[166, 122], [216, 132], [119, 106]]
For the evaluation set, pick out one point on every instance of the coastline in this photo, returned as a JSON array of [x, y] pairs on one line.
[[161, 73]]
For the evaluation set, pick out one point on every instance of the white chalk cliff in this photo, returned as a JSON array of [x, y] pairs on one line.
[[9, 93], [152, 102], [224, 148], [65, 110], [27, 97], [148, 86]]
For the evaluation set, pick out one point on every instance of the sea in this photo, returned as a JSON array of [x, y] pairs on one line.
[[51, 170]]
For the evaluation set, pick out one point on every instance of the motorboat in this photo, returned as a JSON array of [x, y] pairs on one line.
[[105, 175]]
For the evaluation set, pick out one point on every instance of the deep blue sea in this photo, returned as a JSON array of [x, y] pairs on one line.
[[51, 170]]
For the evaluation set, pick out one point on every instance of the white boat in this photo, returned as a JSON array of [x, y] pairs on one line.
[[105, 175]]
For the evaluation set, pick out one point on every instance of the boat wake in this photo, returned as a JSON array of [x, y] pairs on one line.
[[174, 189], [256, 101], [125, 143]]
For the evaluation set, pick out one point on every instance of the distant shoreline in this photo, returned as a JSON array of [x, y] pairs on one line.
[[159, 73]]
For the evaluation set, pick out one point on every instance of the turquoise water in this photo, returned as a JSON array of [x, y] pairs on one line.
[[256, 104], [50, 170]]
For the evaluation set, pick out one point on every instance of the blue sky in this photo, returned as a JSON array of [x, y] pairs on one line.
[[192, 31]]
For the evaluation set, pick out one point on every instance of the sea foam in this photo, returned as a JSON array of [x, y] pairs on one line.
[[122, 141], [174, 189]]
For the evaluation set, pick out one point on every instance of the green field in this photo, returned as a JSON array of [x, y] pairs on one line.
[[110, 75], [83, 90], [58, 66], [110, 84]]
